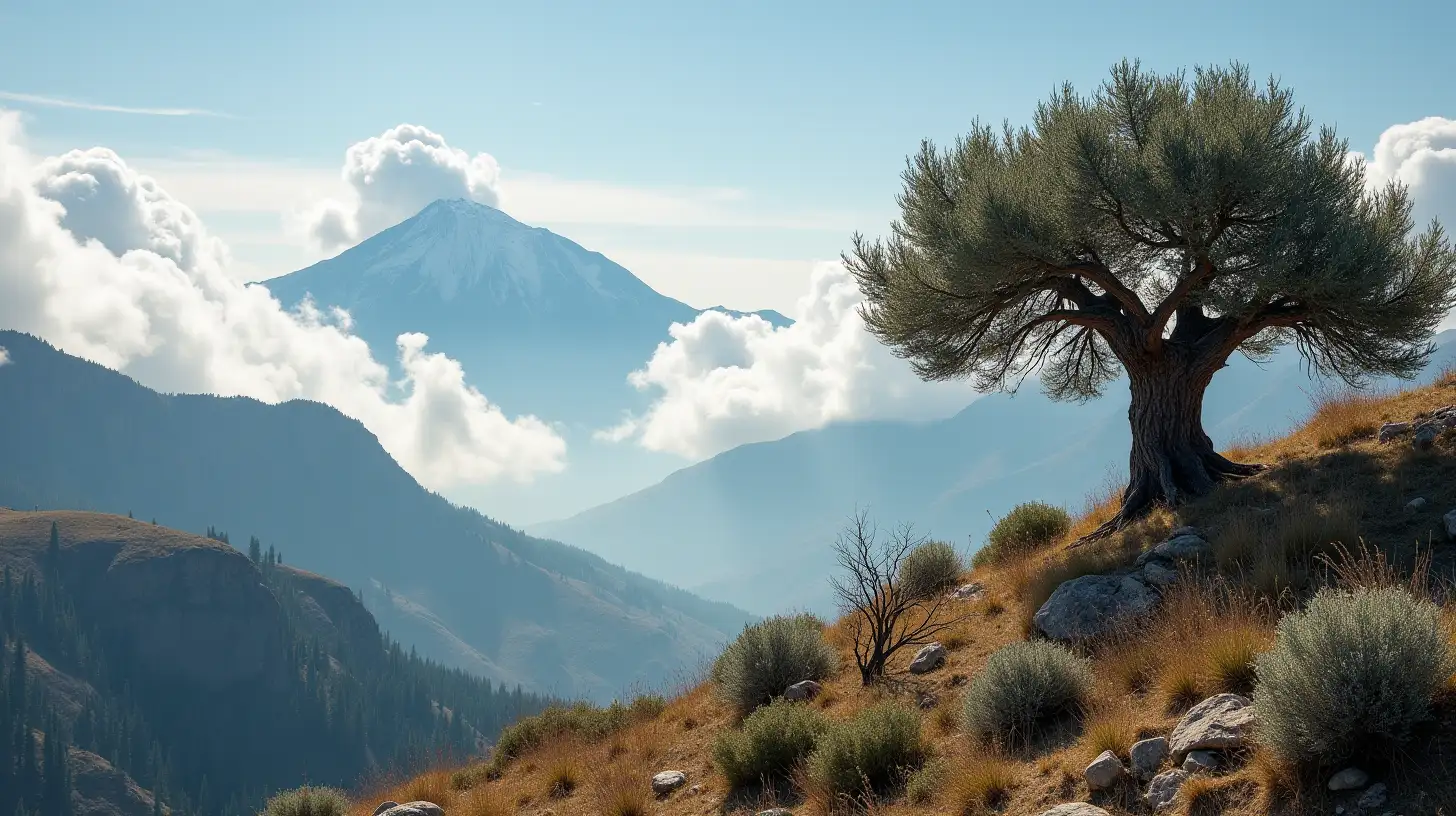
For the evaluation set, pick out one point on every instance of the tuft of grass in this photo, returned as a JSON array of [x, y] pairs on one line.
[[1022, 684], [929, 569], [621, 791], [1180, 684], [582, 721], [1230, 655], [769, 656], [1110, 728], [881, 745], [563, 774], [435, 785], [1342, 417], [1353, 671], [981, 785], [469, 777], [770, 743], [1130, 665], [308, 801], [1028, 527], [483, 802]]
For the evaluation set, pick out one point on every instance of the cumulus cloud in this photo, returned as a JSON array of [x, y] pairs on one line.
[[1421, 155], [103, 263], [4, 357], [724, 381], [392, 176]]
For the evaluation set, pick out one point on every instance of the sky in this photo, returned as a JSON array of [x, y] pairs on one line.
[[717, 150], [154, 156]]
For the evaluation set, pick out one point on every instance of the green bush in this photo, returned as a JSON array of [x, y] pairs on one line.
[[925, 784], [1022, 684], [771, 742], [1354, 669], [880, 746], [769, 656], [930, 568], [1027, 527], [308, 801], [590, 722]]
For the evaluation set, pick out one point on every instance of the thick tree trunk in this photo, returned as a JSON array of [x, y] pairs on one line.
[[1172, 459]]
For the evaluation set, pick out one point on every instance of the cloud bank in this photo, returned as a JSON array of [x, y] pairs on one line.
[[724, 381], [392, 176], [103, 263], [1421, 155]]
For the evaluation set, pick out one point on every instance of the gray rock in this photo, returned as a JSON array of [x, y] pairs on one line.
[[802, 691], [1076, 809], [1222, 722], [1162, 792], [1415, 504], [1147, 756], [414, 809], [931, 656], [1093, 605], [1200, 761], [695, 790], [1187, 547], [1425, 437], [383, 806], [776, 812], [1391, 430], [1187, 530], [666, 781], [1450, 521], [968, 592], [1105, 771], [1349, 779], [1373, 798], [1157, 576]]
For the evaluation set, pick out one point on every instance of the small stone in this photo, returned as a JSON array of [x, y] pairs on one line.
[[666, 782], [383, 806], [695, 790], [1391, 430], [1222, 722], [776, 812], [1349, 779], [1105, 771], [1450, 521], [931, 656], [1163, 790], [802, 691], [968, 592], [926, 701], [1076, 809], [1372, 798], [1200, 761], [1415, 504], [1147, 756], [1425, 437]]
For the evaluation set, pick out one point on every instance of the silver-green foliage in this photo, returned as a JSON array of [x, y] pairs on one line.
[[931, 567], [1022, 684], [1028, 526], [880, 746], [1351, 668], [769, 656], [771, 741], [308, 801]]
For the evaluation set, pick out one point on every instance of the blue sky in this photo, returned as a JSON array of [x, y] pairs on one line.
[[803, 111]]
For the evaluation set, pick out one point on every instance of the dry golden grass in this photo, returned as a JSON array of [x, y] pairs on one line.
[[622, 790], [1342, 417], [1110, 728], [981, 783], [482, 802]]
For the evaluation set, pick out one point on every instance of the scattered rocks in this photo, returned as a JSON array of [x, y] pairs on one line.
[[665, 782], [931, 656], [1092, 605], [1105, 771], [1349, 779], [1391, 430], [1074, 809], [1200, 761], [1425, 437], [383, 806], [968, 592], [1415, 504], [1163, 790], [1147, 756], [802, 691], [1222, 722], [1373, 798]]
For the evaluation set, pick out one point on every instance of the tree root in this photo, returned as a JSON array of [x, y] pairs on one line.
[[1157, 488]]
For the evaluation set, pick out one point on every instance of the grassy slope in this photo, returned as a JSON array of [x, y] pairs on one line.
[[1330, 480]]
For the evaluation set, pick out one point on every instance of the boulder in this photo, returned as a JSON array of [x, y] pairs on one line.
[[1373, 798], [413, 809], [1222, 722], [1391, 430], [1415, 504], [1157, 576], [1105, 771], [1450, 521], [1076, 809], [1349, 779], [1200, 761], [1093, 605], [383, 806], [1147, 756], [1425, 437], [776, 812], [664, 782], [1162, 792], [931, 656], [802, 691], [968, 592], [1185, 547]]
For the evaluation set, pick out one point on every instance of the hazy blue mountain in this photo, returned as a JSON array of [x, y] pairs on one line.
[[466, 590], [754, 525], [542, 326]]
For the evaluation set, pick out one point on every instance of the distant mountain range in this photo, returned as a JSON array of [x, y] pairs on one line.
[[541, 325], [754, 525], [463, 589]]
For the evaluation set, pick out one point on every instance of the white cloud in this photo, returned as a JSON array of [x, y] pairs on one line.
[[1421, 155], [724, 381], [103, 263], [74, 104], [393, 176], [4, 357]]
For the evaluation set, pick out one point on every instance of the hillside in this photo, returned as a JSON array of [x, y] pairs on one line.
[[169, 664], [1336, 507], [761, 517], [463, 589]]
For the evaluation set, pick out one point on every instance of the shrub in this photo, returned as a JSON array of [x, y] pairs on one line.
[[1352, 669], [770, 656], [583, 720], [1022, 684], [925, 784], [929, 569], [1027, 527], [307, 801], [771, 742], [881, 745]]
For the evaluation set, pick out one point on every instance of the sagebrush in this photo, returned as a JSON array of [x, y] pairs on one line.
[[308, 801], [1022, 684], [1027, 527], [769, 656], [584, 720], [880, 746], [770, 743], [1354, 670], [932, 567]]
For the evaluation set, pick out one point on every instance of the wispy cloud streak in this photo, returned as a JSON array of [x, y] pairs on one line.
[[75, 104]]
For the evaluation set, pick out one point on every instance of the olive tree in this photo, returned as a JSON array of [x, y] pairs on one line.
[[1154, 228]]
